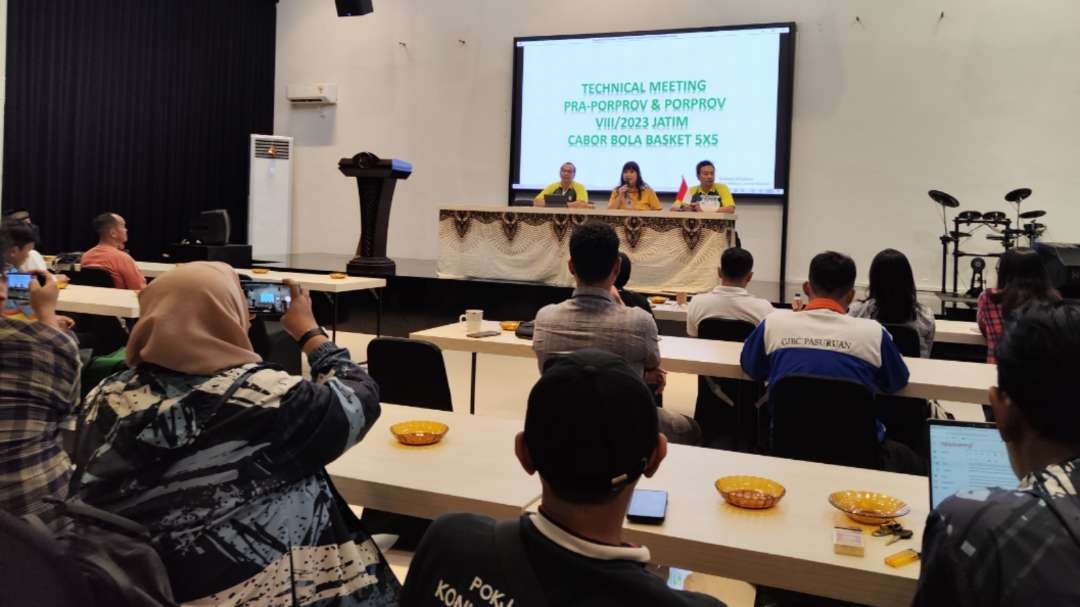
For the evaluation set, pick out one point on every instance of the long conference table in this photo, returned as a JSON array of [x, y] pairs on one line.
[[125, 303], [945, 331], [789, 546], [930, 378]]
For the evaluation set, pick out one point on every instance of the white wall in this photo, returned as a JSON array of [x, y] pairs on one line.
[[976, 104]]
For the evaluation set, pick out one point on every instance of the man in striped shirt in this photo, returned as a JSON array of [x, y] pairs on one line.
[[39, 385]]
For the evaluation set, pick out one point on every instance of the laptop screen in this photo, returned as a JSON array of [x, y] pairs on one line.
[[966, 455]]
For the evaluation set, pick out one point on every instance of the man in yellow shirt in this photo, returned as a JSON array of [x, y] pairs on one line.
[[706, 173], [575, 193], [633, 192]]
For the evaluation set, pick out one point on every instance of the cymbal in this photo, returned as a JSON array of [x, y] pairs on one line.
[[969, 216], [1018, 195], [945, 200], [1032, 214], [994, 216]]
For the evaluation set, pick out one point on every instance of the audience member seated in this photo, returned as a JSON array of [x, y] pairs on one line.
[[729, 299], [1021, 278], [892, 299], [595, 317], [109, 253], [19, 243], [628, 297], [571, 552], [823, 340], [222, 457], [39, 386], [1019, 546], [34, 260]]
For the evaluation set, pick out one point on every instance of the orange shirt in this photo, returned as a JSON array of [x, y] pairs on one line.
[[125, 273]]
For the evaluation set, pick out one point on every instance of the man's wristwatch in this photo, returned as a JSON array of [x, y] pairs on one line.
[[312, 333]]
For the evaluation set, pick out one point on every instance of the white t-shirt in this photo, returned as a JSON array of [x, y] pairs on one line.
[[34, 261], [733, 303]]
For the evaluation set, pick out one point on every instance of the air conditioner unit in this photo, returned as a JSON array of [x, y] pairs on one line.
[[312, 94], [270, 196]]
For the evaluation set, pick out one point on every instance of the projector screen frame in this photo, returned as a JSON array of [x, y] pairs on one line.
[[784, 108]]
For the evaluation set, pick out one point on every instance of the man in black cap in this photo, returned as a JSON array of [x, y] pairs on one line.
[[572, 550]]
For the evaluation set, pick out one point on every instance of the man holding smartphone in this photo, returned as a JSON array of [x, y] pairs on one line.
[[591, 432], [39, 386]]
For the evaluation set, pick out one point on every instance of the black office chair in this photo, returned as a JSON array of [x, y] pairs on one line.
[[733, 414], [826, 420], [906, 339], [409, 372], [102, 334], [92, 276], [35, 570], [905, 418]]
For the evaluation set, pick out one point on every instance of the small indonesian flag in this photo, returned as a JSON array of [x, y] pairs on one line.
[[682, 191]]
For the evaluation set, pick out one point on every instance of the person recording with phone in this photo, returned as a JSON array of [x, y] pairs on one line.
[[591, 434], [39, 387], [633, 192], [222, 456]]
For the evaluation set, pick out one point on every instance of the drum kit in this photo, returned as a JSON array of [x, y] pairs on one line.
[[999, 226]]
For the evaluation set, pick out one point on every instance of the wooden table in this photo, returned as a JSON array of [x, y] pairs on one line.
[[98, 300], [941, 379], [473, 469], [312, 282], [945, 331], [789, 546]]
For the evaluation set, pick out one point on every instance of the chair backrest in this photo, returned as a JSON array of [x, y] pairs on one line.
[[725, 329], [35, 570], [92, 276], [409, 372], [823, 419], [906, 339]]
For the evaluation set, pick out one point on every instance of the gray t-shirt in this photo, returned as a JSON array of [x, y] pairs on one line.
[[923, 323]]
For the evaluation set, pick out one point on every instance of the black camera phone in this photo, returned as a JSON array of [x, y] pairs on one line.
[[267, 299]]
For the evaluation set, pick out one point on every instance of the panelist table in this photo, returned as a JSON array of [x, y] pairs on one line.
[[473, 468], [311, 282], [788, 546], [670, 250], [945, 331], [942, 379]]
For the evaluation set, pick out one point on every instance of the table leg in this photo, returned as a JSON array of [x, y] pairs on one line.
[[378, 312], [472, 386], [333, 321]]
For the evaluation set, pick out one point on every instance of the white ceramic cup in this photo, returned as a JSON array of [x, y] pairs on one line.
[[473, 319]]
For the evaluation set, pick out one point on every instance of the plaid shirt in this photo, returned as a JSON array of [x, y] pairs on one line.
[[39, 385], [991, 322]]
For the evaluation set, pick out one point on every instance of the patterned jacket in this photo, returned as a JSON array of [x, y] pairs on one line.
[[234, 492]]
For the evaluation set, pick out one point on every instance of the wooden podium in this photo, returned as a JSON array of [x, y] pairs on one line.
[[375, 181]]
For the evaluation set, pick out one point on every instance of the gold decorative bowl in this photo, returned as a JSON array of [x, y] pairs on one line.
[[338, 275], [867, 507], [752, 492], [259, 270], [658, 299], [420, 432], [509, 325]]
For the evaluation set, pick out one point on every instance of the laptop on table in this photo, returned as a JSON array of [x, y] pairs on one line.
[[966, 456]]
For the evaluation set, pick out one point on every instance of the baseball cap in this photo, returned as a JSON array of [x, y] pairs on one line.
[[591, 425]]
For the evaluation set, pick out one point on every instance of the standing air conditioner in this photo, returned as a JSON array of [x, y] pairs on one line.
[[270, 196]]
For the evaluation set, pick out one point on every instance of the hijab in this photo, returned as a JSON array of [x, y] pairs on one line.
[[193, 319]]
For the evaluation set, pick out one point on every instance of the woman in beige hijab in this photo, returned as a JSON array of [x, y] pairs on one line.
[[221, 456]]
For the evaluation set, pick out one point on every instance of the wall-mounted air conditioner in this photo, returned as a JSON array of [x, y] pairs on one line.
[[312, 94], [270, 196]]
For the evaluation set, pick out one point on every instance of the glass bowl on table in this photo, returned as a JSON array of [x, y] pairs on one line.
[[868, 507], [753, 492], [419, 432]]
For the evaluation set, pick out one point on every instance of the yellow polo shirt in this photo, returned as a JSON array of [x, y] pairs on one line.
[[576, 192], [640, 200]]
